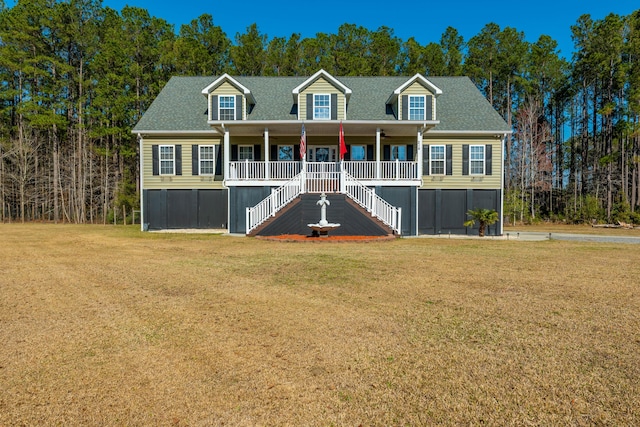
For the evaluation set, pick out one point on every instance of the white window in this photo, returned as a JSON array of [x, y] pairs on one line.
[[226, 107], [167, 160], [207, 160], [476, 159], [437, 159], [416, 107], [398, 152], [245, 152], [285, 152], [321, 107], [358, 152]]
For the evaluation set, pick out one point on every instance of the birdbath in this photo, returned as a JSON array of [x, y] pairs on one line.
[[323, 227]]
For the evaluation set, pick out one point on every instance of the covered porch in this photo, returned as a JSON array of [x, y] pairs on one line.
[[261, 154]]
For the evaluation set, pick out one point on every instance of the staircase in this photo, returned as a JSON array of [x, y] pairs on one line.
[[304, 187]]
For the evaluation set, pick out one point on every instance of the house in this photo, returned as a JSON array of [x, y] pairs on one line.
[[224, 152]]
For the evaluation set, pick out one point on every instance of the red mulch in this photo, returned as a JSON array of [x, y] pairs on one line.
[[303, 238]]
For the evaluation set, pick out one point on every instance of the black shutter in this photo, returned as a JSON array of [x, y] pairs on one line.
[[214, 107], [155, 159], [425, 160], [487, 161], [370, 152], [386, 153], [296, 152], [178, 159], [238, 107], [234, 153], [429, 107], [465, 159], [309, 106], [218, 160], [257, 152], [347, 155], [449, 160], [334, 106], [405, 107], [194, 160], [409, 153], [273, 152]]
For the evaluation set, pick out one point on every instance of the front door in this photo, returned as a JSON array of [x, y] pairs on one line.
[[322, 153]]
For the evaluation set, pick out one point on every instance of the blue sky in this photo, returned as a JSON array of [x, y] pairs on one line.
[[426, 23]]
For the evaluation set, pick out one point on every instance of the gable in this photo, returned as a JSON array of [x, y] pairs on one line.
[[322, 87]]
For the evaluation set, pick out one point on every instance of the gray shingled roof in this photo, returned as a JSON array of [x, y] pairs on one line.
[[180, 106]]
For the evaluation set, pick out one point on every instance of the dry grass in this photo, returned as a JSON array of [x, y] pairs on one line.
[[108, 326]]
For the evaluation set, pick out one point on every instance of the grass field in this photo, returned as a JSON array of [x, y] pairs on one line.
[[104, 325]]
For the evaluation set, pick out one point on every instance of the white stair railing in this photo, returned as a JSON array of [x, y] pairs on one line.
[[374, 204], [274, 202]]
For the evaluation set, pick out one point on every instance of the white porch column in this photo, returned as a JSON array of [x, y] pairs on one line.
[[227, 153], [419, 153], [267, 170], [378, 164]]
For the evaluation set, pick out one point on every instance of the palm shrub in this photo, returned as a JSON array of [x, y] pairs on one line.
[[484, 217]]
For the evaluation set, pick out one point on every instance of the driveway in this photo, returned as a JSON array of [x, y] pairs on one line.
[[536, 235]]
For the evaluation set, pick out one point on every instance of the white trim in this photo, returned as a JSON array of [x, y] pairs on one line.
[[328, 95], [495, 133], [424, 107], [419, 77], [444, 164], [144, 133], [173, 160], [502, 159], [316, 76], [233, 97], [226, 77], [253, 155], [213, 159], [141, 143], [484, 160]]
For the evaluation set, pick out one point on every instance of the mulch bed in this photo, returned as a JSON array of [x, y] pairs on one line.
[[303, 238]]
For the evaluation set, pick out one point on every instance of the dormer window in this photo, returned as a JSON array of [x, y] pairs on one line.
[[416, 107], [321, 107], [227, 107]]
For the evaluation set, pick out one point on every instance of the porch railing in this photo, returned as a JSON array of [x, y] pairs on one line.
[[374, 204], [248, 170], [322, 177], [273, 203]]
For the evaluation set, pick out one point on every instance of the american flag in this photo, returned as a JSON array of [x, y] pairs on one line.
[[303, 143]]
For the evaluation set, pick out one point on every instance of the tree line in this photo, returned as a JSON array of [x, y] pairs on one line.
[[76, 76]]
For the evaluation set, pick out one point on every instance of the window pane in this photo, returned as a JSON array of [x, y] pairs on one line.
[[245, 152], [416, 107], [166, 160], [477, 159], [358, 152], [207, 160], [437, 159], [398, 152], [285, 152], [321, 107], [227, 107]]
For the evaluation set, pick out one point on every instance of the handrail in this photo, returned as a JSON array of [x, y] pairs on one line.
[[374, 204], [274, 202], [350, 186]]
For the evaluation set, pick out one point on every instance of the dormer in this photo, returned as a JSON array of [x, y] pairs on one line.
[[415, 99], [228, 99], [321, 97]]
